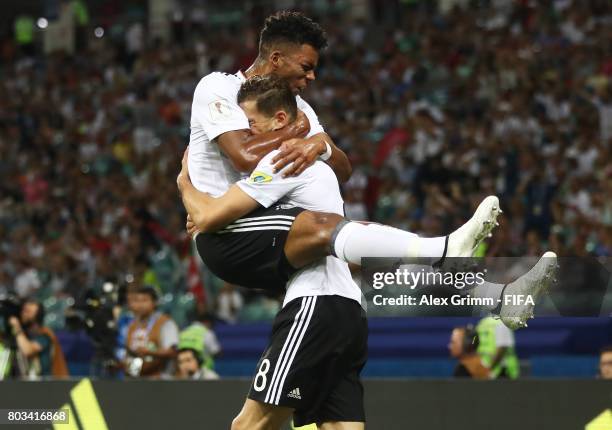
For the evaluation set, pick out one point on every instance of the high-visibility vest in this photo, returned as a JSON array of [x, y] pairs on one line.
[[24, 30], [81, 14], [5, 361], [193, 337], [487, 349]]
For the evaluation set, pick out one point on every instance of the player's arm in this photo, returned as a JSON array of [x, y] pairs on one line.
[[209, 213], [304, 152], [245, 150], [215, 110]]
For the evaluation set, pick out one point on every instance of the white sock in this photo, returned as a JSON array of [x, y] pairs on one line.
[[356, 240]]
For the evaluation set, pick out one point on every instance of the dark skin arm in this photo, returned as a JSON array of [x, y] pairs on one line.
[[304, 152], [245, 149]]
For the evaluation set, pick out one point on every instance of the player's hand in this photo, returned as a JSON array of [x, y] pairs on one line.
[[300, 153], [192, 230]]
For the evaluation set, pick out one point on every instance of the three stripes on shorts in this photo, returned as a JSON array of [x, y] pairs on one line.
[[290, 348]]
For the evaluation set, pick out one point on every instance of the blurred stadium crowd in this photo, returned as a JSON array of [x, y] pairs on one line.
[[437, 104]]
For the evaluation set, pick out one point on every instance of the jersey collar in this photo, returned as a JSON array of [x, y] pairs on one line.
[[241, 76]]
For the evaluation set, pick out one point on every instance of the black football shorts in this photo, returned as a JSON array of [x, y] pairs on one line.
[[314, 359]]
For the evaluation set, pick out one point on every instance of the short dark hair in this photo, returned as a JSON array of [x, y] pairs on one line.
[[471, 340], [149, 291], [40, 311], [605, 349], [270, 93], [197, 355], [291, 27]]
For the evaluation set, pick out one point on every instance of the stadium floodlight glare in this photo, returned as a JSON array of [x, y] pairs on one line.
[[42, 23], [108, 287], [99, 32]]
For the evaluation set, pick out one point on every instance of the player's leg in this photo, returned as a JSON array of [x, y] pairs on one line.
[[286, 377], [314, 235], [340, 404], [261, 416], [532, 284], [513, 303], [264, 248]]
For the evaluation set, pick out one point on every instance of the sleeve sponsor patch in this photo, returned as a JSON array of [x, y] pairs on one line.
[[220, 110], [258, 177]]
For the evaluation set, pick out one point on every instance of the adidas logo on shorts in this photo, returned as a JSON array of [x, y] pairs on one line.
[[295, 393]]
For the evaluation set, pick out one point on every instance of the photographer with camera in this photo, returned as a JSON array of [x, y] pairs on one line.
[[38, 353], [151, 338]]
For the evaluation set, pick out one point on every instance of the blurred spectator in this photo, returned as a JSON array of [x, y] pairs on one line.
[[126, 317], [201, 333], [151, 338], [189, 365], [496, 349], [38, 351], [229, 303], [5, 357], [436, 106], [462, 346], [605, 363]]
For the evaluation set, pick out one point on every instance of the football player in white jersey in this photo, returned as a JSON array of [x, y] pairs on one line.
[[269, 104], [268, 245], [308, 368], [283, 238]]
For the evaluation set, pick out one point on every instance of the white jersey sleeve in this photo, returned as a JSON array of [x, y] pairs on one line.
[[315, 125], [215, 107], [267, 187]]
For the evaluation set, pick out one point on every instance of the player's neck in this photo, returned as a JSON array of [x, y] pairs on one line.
[[258, 68]]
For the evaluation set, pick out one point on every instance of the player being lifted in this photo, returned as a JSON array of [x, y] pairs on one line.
[[256, 250], [275, 240], [269, 104], [328, 295]]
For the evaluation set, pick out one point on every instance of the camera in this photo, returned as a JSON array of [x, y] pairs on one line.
[[10, 306], [94, 313]]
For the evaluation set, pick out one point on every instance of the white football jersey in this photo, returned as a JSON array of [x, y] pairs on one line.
[[215, 111], [316, 189]]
